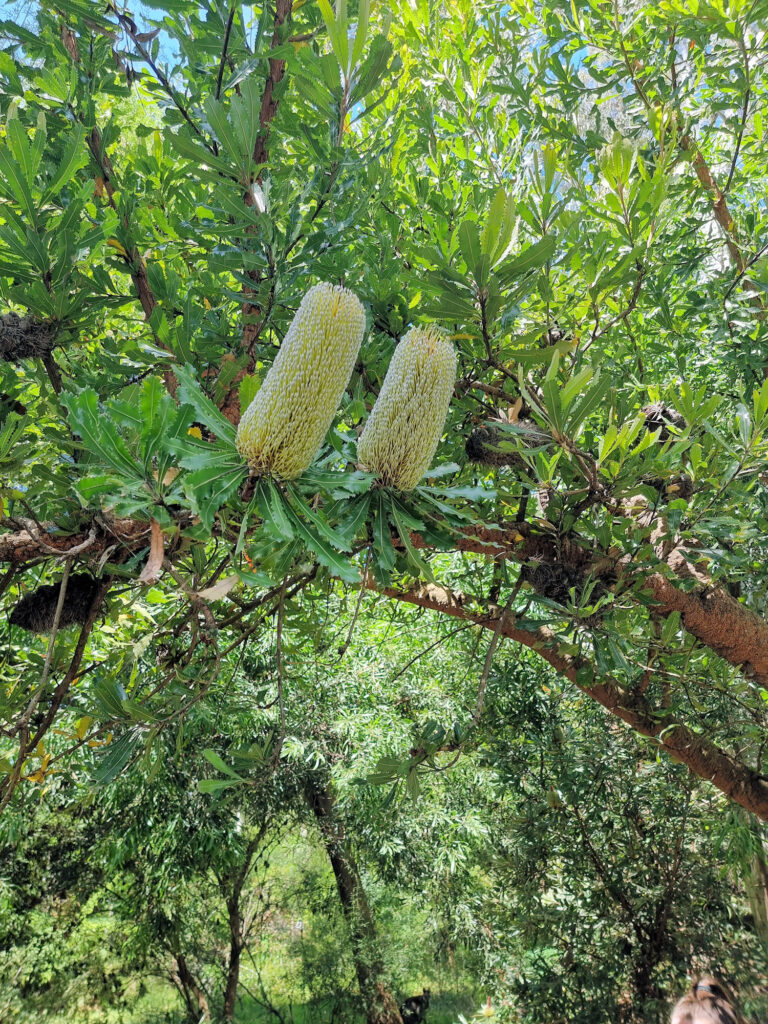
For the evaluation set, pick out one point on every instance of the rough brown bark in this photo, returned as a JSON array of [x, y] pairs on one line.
[[31, 542], [269, 103], [708, 613], [743, 785], [379, 1003], [253, 314], [719, 204]]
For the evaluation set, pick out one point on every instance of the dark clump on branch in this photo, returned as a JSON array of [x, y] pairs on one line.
[[672, 487], [36, 611], [556, 581], [10, 404], [493, 444], [659, 416], [25, 338]]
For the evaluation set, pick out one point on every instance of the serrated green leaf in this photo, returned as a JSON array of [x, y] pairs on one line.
[[471, 249], [222, 129], [273, 509], [403, 529], [382, 538], [532, 258], [15, 185], [73, 158], [357, 513], [588, 404], [191, 393], [337, 564], [317, 521], [98, 433], [361, 31]]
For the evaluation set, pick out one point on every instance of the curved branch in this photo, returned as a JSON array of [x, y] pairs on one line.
[[738, 782], [708, 612]]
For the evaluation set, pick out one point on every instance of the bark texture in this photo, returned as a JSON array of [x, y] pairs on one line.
[[709, 613]]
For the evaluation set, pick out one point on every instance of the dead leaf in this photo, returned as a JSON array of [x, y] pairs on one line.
[[219, 589], [151, 571], [514, 410], [69, 39]]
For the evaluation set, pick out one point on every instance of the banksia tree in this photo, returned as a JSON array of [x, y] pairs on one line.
[[405, 426], [283, 428]]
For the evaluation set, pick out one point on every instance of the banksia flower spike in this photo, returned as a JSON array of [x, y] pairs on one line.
[[405, 426], [283, 428]]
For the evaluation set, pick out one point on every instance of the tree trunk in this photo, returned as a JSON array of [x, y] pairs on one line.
[[235, 950], [379, 1004], [194, 997], [756, 884], [231, 886]]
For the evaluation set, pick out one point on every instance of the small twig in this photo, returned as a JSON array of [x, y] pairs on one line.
[[224, 50], [52, 641], [345, 646], [279, 666], [129, 26], [430, 647], [744, 112], [7, 579], [54, 374], [8, 787], [740, 275]]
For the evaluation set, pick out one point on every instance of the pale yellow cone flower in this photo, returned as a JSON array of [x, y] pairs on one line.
[[407, 421], [283, 428]]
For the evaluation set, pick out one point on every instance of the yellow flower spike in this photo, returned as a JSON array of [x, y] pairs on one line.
[[283, 428], [405, 426]]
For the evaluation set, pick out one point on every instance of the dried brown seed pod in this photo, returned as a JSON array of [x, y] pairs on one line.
[[659, 416], [37, 609], [25, 337], [491, 444]]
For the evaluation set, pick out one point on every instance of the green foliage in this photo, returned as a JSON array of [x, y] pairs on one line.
[[576, 193]]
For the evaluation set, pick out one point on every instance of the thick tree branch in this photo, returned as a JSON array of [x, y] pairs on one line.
[[708, 612], [702, 757], [27, 544], [269, 102]]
